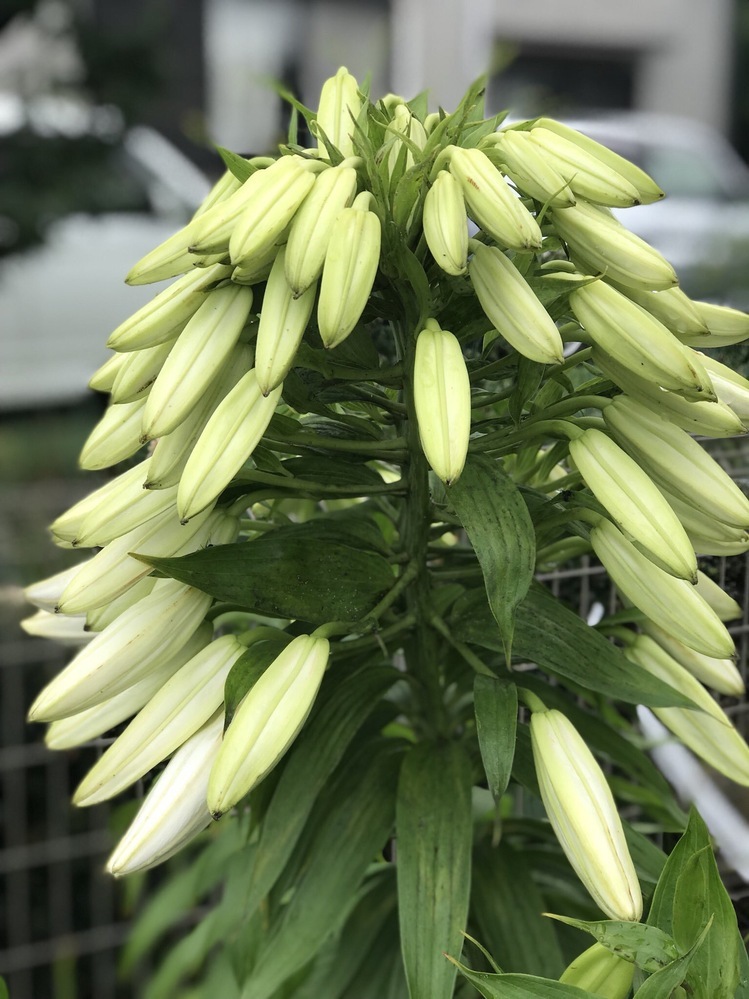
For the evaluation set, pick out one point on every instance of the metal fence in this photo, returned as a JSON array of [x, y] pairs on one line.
[[62, 918]]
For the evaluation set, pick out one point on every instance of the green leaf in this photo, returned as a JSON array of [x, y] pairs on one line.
[[434, 830], [689, 892], [663, 982], [350, 826], [341, 708], [557, 639], [250, 666], [4, 994], [495, 704], [646, 946], [499, 527], [239, 166], [529, 377], [301, 572], [514, 986], [507, 906]]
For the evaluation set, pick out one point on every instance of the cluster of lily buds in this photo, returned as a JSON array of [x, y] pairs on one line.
[[295, 247]]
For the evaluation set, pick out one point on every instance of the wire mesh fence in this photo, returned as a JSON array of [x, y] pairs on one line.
[[62, 919]]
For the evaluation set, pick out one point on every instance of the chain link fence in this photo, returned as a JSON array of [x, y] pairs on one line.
[[62, 918]]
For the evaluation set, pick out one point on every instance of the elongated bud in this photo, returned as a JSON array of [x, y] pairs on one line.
[[175, 810], [601, 972], [676, 461], [707, 535], [510, 304], [587, 175], [673, 604], [722, 603], [697, 416], [283, 320], [202, 349], [123, 511], [62, 628], [267, 721], [183, 705], [45, 593], [731, 388], [265, 217], [528, 168], [490, 201], [349, 271], [672, 307], [227, 441], [635, 502], [136, 376], [636, 340], [115, 437], [583, 814], [82, 727], [164, 316], [338, 109], [140, 639], [407, 124], [98, 618], [225, 186], [169, 259], [725, 326], [647, 190], [445, 224], [103, 378], [312, 227], [708, 732], [171, 452], [442, 397], [720, 674], [603, 245], [112, 571]]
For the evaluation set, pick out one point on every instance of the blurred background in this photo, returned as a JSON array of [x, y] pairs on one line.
[[109, 113]]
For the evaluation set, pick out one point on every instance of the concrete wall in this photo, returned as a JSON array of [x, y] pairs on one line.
[[683, 47]]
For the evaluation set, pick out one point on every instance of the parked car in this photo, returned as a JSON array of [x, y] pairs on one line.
[[702, 226], [62, 267]]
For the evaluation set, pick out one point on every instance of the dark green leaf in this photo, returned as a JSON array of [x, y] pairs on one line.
[[507, 906], [557, 639], [341, 708], [299, 572], [529, 376], [663, 982], [332, 471], [239, 166], [500, 529], [690, 892], [520, 986], [349, 830], [496, 707], [250, 666], [434, 830], [646, 946]]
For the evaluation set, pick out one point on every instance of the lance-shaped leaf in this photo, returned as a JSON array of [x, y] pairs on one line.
[[557, 639], [661, 985], [495, 704], [646, 946], [507, 906], [349, 827], [343, 706], [434, 832], [688, 894], [307, 574], [499, 527], [514, 986]]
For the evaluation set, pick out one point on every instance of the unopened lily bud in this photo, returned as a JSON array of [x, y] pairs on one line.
[[445, 224], [491, 202], [722, 603], [673, 604], [583, 814], [267, 721], [337, 110], [708, 732], [720, 674], [601, 972], [175, 809]]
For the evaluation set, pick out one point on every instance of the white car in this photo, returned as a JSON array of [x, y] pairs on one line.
[[60, 299], [702, 225]]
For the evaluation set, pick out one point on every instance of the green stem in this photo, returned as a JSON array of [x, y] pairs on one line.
[[461, 648]]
